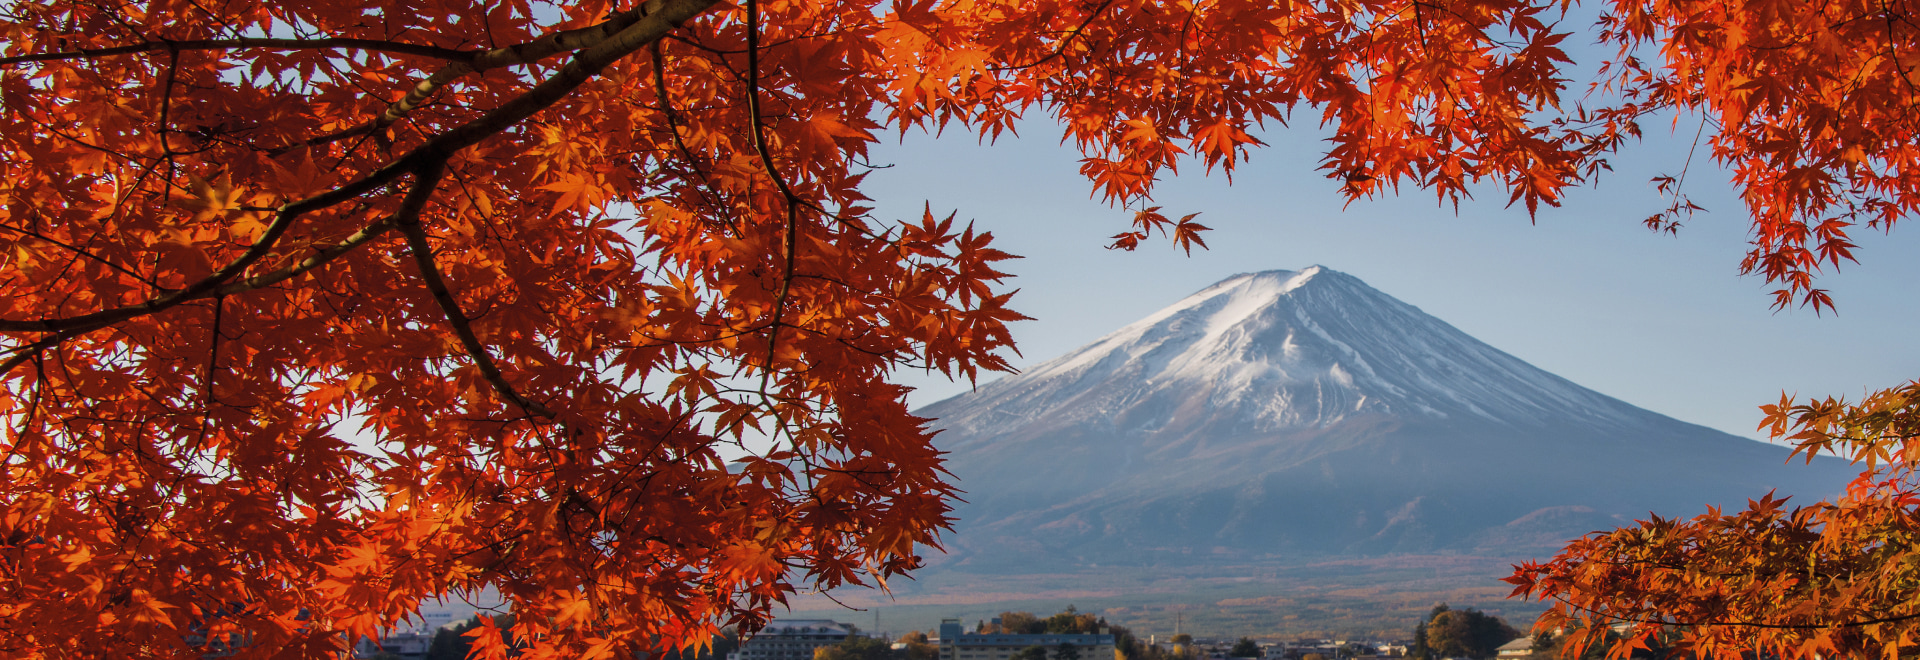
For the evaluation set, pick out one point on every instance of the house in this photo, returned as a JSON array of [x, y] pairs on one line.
[[1518, 648]]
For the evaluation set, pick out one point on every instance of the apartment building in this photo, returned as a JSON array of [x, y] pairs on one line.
[[792, 639]]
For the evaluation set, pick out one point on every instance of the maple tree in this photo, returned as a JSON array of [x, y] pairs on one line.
[[1830, 578], [1810, 109], [315, 312]]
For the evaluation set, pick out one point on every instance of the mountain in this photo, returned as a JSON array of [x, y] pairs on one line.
[[1304, 414]]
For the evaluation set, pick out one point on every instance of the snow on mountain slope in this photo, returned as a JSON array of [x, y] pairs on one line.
[[1307, 412], [1282, 349]]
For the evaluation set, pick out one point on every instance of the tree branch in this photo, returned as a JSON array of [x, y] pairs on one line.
[[408, 219], [76, 250], [29, 351], [527, 53], [790, 200], [375, 45], [206, 380], [673, 129], [281, 222], [660, 17], [320, 258], [1062, 48]]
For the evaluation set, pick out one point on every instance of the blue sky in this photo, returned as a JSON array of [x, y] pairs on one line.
[[1662, 322]]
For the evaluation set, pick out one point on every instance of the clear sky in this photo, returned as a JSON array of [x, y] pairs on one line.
[[1662, 322]]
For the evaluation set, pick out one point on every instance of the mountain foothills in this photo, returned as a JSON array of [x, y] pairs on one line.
[[1300, 414]]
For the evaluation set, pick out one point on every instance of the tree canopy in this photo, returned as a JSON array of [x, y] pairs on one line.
[[918, 648], [1465, 633], [1069, 621], [315, 312], [859, 647], [1019, 623]]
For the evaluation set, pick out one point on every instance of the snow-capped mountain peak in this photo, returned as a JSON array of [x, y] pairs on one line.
[[1283, 349], [1305, 412]]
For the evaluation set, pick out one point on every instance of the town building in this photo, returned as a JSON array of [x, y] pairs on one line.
[[406, 646], [958, 645], [792, 639], [1518, 648]]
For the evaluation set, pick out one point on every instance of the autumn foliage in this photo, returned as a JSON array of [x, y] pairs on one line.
[[313, 312], [1808, 105], [1829, 579]]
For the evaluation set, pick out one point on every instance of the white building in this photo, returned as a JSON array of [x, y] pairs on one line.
[[792, 639], [408, 646], [956, 645], [430, 621]]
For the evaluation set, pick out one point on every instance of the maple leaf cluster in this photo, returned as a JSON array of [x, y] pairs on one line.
[[1809, 108], [1828, 579], [320, 312], [317, 312]]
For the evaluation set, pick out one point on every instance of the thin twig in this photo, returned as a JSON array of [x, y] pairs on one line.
[[166, 110], [79, 251], [790, 200], [213, 362], [673, 128], [321, 256], [1062, 48], [552, 44]]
